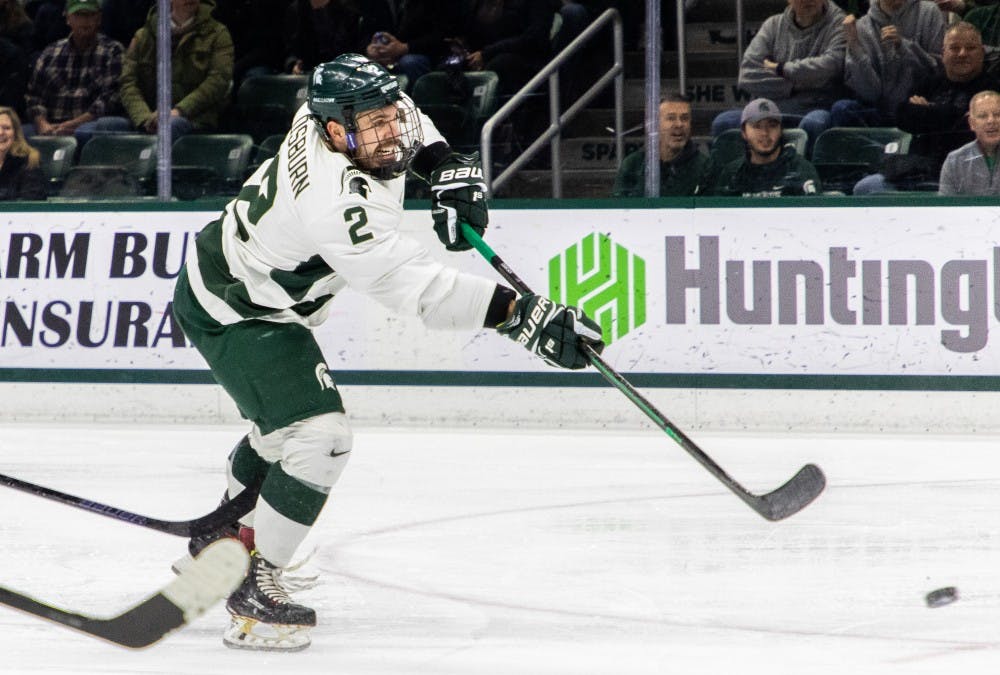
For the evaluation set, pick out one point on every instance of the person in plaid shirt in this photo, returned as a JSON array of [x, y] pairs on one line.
[[73, 88]]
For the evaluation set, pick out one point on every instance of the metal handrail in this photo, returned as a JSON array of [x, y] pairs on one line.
[[164, 102], [654, 56], [740, 34], [553, 134]]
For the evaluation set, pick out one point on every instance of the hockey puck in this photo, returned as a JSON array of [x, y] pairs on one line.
[[942, 596]]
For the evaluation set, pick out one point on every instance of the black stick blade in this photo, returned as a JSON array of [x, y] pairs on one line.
[[800, 491]]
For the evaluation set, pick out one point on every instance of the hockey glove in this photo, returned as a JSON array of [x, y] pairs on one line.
[[458, 194], [555, 332]]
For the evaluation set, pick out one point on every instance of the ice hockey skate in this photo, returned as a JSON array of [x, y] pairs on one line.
[[197, 544], [263, 615]]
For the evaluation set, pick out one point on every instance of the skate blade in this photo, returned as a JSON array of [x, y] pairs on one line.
[[244, 633]]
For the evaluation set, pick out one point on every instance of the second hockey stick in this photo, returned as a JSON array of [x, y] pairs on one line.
[[213, 575], [226, 514], [800, 490]]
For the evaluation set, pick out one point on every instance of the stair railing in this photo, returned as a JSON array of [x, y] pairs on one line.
[[557, 120]]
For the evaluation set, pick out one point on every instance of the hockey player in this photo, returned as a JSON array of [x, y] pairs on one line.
[[320, 216]]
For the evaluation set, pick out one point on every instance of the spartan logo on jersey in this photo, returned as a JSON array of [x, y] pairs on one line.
[[356, 182], [323, 377]]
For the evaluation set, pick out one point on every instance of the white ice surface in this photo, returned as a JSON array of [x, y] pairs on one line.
[[479, 552]]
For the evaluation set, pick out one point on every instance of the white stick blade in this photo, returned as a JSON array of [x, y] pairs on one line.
[[213, 576]]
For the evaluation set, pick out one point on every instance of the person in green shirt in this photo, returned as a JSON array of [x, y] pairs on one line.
[[202, 70], [681, 163], [987, 20], [770, 168]]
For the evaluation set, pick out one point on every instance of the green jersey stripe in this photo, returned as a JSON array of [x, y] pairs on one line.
[[217, 278]]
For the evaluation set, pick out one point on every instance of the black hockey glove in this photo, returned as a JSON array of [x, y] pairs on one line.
[[555, 332], [458, 194]]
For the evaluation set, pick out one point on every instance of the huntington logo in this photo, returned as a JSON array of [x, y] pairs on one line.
[[605, 280]]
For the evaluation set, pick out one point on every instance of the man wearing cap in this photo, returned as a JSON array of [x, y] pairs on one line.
[[74, 84], [770, 168]]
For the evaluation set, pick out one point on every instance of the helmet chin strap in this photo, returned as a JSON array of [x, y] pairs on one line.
[[350, 131]]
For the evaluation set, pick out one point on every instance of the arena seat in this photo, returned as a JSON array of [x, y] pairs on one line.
[[212, 164], [458, 103], [58, 156], [844, 155]]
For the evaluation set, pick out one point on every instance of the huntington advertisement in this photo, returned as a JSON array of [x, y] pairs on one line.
[[865, 291]]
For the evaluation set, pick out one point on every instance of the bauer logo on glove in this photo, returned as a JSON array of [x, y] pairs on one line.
[[458, 194], [462, 173], [555, 332]]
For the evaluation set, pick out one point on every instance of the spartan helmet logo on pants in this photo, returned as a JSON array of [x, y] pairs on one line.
[[323, 377]]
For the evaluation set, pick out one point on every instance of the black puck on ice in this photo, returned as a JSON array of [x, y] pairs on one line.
[[942, 596]]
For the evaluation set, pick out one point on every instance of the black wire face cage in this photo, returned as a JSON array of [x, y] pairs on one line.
[[383, 146]]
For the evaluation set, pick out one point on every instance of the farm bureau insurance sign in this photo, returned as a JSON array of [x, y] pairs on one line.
[[866, 291]]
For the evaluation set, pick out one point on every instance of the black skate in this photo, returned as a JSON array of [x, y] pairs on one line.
[[197, 544], [263, 615]]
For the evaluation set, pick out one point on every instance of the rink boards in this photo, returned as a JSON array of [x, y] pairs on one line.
[[822, 295]]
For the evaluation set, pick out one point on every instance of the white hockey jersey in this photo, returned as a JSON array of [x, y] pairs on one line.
[[307, 224]]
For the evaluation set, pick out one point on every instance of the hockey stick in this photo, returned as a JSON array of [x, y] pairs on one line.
[[226, 514], [213, 575], [790, 498]]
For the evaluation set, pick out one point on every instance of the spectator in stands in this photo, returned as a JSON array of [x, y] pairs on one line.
[[509, 37], [940, 102], [73, 88], [987, 20], [13, 75], [20, 176], [320, 30], [15, 25], [15, 49], [258, 44], [769, 168], [583, 68], [796, 59], [407, 37], [889, 50], [202, 62], [972, 169], [122, 18], [682, 165], [936, 110]]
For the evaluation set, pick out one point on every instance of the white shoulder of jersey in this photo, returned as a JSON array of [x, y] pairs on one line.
[[352, 220]]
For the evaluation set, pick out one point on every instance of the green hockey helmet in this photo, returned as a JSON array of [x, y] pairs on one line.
[[350, 83], [342, 89]]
